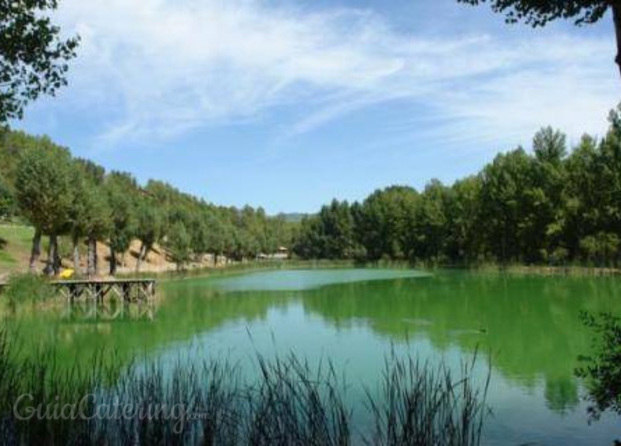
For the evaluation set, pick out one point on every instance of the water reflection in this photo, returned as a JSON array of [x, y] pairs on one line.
[[108, 311], [529, 326]]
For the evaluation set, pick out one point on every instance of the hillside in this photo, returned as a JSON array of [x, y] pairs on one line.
[[43, 184], [15, 245]]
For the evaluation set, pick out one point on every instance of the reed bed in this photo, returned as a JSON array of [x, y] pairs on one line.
[[288, 402], [422, 405]]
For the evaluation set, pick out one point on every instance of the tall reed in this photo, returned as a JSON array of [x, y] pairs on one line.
[[420, 404], [287, 402]]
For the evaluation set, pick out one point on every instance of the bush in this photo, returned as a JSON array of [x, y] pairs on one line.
[[27, 288]]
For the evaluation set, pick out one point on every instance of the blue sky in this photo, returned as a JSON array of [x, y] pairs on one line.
[[287, 104]]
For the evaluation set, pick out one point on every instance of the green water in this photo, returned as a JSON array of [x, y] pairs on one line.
[[528, 327]]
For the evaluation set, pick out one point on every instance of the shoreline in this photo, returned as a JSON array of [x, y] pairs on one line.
[[296, 264]]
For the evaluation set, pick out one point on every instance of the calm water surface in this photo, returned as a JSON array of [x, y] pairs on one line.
[[528, 327]]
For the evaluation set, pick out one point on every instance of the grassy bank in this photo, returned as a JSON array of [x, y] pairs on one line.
[[288, 402], [546, 270], [15, 244]]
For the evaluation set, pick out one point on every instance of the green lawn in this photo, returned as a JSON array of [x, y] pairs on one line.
[[14, 246]]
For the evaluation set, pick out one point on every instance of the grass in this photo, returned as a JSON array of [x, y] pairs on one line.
[[289, 402], [31, 288], [15, 244], [517, 269], [6, 259], [424, 406]]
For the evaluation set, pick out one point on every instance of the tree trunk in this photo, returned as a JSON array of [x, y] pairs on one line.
[[92, 257], [143, 248], [112, 261], [56, 262], [76, 253], [49, 263], [616, 17], [35, 253]]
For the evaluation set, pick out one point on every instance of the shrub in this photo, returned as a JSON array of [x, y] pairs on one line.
[[27, 288]]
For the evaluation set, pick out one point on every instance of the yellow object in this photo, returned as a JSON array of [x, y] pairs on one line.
[[67, 274]]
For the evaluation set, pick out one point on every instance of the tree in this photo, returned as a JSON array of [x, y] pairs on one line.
[[430, 222], [581, 196], [45, 193], [385, 222], [601, 249], [504, 188], [217, 238], [539, 13], [122, 195], [97, 219], [12, 144], [148, 228], [33, 56], [199, 233], [547, 183], [463, 242], [549, 146], [90, 215], [7, 200], [178, 243], [330, 234]]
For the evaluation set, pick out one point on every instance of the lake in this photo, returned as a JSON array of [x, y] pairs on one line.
[[527, 326]]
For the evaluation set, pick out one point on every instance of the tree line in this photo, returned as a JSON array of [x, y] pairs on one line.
[[549, 206], [60, 195]]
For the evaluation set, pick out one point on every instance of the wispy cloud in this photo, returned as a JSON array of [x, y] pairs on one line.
[[169, 66]]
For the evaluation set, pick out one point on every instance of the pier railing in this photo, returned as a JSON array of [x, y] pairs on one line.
[[128, 290]]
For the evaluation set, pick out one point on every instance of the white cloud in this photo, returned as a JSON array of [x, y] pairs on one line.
[[168, 66]]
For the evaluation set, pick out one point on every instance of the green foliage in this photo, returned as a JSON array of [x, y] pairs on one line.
[[179, 243], [430, 222], [601, 249], [549, 146], [538, 13], [329, 235], [27, 288], [33, 55], [90, 211], [540, 207], [7, 200], [150, 223], [385, 221], [60, 195], [122, 194], [505, 197], [463, 239], [602, 370], [43, 185]]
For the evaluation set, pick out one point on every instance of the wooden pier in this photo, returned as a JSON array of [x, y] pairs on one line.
[[128, 290]]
